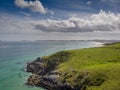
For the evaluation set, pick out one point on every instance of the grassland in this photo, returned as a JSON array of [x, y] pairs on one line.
[[95, 68]]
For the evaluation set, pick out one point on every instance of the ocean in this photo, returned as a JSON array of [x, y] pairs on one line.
[[15, 55]]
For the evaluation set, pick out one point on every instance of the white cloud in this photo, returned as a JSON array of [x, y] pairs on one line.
[[89, 2], [103, 21], [35, 6], [96, 26], [26, 14], [113, 1]]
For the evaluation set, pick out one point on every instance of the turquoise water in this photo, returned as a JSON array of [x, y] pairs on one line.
[[15, 55]]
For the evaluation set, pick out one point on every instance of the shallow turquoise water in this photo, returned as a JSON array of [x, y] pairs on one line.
[[15, 55]]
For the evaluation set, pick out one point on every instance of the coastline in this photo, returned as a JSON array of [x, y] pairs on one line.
[[15, 55], [50, 78], [44, 77]]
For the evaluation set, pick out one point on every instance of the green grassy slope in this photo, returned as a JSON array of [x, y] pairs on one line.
[[95, 68]]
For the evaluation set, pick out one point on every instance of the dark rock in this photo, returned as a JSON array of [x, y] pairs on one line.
[[49, 80], [36, 67]]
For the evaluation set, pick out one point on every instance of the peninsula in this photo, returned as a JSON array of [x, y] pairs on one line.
[[95, 68]]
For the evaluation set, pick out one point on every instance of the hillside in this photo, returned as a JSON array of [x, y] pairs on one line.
[[95, 68]]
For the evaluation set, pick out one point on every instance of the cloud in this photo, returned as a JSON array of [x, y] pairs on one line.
[[100, 22], [103, 21], [11, 24], [113, 1], [89, 2], [24, 13], [35, 6], [23, 28]]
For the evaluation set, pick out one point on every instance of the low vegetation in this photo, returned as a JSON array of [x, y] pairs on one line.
[[52, 61]]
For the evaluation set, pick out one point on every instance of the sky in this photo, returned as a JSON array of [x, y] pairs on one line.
[[59, 20]]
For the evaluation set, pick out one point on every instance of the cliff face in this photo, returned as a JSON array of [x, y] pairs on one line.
[[45, 73], [84, 69]]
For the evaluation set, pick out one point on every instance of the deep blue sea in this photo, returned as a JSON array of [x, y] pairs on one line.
[[15, 55]]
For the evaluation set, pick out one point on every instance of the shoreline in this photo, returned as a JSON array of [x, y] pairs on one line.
[[41, 77], [31, 66], [50, 78]]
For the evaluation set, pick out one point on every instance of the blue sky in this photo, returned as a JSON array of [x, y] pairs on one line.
[[66, 6], [59, 20]]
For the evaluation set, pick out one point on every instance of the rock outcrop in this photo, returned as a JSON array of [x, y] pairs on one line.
[[36, 67], [45, 74], [44, 78]]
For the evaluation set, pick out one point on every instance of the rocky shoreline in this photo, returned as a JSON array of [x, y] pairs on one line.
[[45, 73], [77, 69], [49, 80]]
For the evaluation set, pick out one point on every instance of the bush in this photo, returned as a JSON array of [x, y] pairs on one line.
[[56, 59]]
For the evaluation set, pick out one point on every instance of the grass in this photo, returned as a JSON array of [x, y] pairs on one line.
[[95, 68]]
